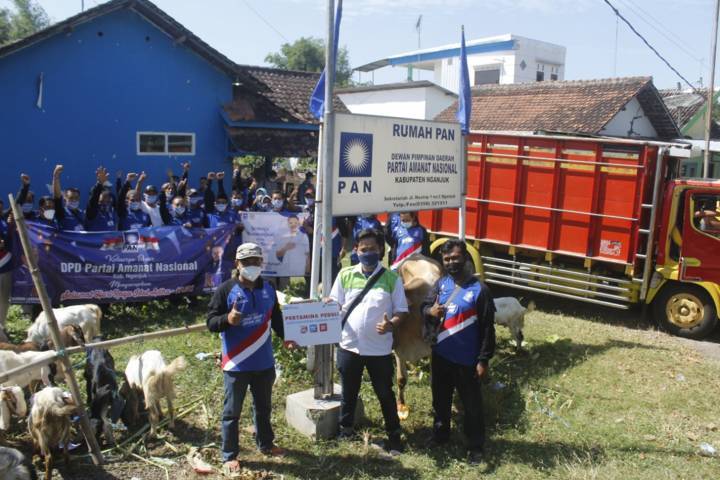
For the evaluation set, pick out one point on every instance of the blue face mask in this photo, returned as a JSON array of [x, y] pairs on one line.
[[406, 224], [151, 198], [237, 202], [73, 204], [27, 207], [221, 207], [369, 259]]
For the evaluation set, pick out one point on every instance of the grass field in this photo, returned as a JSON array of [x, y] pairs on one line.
[[589, 399]]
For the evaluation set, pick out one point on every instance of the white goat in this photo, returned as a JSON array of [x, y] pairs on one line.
[[511, 314], [11, 465], [87, 317], [10, 360], [12, 402], [49, 423], [149, 374]]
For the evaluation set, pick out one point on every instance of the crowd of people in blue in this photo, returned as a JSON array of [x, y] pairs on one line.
[[130, 201]]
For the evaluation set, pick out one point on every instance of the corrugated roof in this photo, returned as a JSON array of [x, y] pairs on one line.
[[583, 107], [684, 105], [394, 86]]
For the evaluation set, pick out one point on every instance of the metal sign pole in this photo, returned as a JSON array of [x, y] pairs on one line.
[[324, 370], [95, 452]]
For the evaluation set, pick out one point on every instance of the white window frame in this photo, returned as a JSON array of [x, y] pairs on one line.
[[166, 152]]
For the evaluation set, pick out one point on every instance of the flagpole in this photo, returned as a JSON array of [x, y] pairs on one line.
[[463, 116], [324, 370], [317, 221]]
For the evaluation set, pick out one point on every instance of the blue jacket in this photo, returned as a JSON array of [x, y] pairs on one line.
[[246, 347], [467, 333]]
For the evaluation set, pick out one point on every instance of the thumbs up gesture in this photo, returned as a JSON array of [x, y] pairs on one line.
[[437, 310], [384, 326]]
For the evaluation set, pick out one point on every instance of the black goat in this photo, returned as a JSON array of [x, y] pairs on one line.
[[106, 404]]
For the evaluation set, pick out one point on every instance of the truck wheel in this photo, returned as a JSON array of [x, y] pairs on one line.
[[686, 310]]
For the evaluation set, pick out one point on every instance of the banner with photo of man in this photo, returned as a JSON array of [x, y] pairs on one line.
[[136, 265], [286, 248]]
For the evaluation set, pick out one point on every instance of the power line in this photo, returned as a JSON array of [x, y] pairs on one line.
[[660, 28], [620, 16], [247, 4]]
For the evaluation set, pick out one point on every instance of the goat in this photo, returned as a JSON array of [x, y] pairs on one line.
[[12, 402], [149, 373], [103, 395], [419, 274], [71, 335], [49, 424], [511, 314], [20, 347], [11, 465], [10, 360], [87, 317]]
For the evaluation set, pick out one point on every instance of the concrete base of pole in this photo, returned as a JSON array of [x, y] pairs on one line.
[[318, 419]]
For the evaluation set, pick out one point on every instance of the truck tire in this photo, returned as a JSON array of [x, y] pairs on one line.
[[685, 310]]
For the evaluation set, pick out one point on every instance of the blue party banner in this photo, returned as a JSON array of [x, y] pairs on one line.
[[136, 265]]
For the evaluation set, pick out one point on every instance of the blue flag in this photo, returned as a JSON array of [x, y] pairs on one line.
[[464, 94], [317, 100]]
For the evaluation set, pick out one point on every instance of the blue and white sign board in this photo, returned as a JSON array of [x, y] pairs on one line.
[[387, 164], [312, 323]]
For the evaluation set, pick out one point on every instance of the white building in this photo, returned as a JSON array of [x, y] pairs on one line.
[[421, 100], [502, 59]]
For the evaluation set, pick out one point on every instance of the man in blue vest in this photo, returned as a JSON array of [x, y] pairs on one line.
[[129, 208], [243, 310], [460, 309]]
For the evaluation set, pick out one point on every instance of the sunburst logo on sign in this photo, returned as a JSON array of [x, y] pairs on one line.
[[355, 154]]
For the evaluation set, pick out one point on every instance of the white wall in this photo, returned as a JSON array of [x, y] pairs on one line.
[[532, 52], [422, 103], [625, 120]]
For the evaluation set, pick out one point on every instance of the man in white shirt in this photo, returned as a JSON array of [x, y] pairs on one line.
[[150, 203], [367, 339]]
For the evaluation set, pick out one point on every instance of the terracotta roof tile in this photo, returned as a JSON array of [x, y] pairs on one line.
[[569, 106]]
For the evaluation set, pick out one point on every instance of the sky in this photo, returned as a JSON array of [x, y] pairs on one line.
[[247, 30]]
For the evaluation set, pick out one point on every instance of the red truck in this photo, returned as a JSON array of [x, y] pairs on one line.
[[601, 220]]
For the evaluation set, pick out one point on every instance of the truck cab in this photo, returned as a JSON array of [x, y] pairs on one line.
[[685, 288]]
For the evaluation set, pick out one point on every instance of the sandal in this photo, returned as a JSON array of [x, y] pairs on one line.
[[231, 469]]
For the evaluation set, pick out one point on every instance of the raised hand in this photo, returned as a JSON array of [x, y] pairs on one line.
[[437, 310], [131, 177], [220, 175], [211, 176], [25, 178], [142, 177], [185, 166], [58, 170], [102, 174]]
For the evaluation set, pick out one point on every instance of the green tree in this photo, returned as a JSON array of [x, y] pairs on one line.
[[26, 18], [308, 54]]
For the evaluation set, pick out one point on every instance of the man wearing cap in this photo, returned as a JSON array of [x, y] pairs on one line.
[[243, 310], [150, 203]]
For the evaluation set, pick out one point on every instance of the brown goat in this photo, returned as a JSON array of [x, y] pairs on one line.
[[20, 347], [49, 424]]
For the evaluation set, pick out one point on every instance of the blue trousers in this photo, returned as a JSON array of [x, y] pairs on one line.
[[236, 385]]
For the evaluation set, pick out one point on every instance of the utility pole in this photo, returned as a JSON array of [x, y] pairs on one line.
[[710, 93]]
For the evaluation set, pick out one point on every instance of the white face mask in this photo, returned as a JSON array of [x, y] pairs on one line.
[[134, 206], [250, 273], [49, 214], [406, 224], [310, 202], [277, 204], [221, 207], [179, 210]]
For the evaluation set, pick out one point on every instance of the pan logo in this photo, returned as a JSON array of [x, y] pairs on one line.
[[355, 161]]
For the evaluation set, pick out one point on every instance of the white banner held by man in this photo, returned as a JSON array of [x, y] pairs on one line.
[[286, 248], [390, 164]]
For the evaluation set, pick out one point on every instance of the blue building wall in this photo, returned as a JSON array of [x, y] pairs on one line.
[[102, 83]]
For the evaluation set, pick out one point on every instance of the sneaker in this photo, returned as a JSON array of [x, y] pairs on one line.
[[394, 444], [346, 434], [274, 451], [476, 457]]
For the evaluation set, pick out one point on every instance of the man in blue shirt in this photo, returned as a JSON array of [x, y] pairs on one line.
[[363, 222], [100, 213], [460, 309], [129, 209], [406, 237], [70, 216], [244, 310]]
